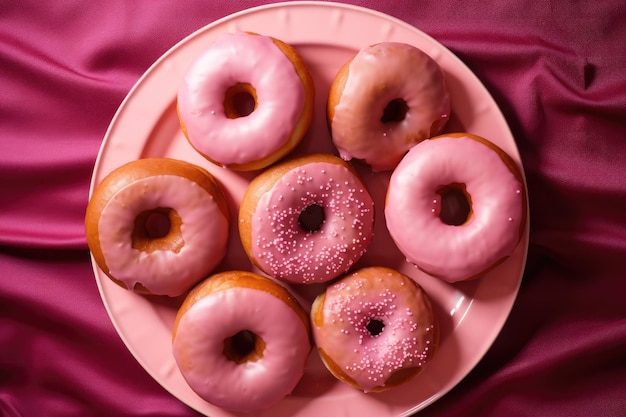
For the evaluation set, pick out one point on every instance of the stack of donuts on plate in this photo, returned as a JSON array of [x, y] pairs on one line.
[[160, 226]]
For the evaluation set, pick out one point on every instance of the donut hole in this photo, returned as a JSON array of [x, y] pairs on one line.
[[244, 346], [456, 204], [240, 100], [312, 218], [157, 229], [157, 225], [395, 111], [375, 327]]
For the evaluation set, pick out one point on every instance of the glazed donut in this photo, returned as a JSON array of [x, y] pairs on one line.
[[374, 328], [306, 220], [241, 341], [456, 206], [387, 98], [246, 101], [157, 225]]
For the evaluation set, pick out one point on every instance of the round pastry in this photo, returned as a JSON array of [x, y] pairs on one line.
[[374, 328], [247, 101], [241, 341], [306, 220], [456, 206], [157, 225], [387, 98]]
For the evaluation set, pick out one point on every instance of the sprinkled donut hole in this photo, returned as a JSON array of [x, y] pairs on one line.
[[374, 328], [307, 220]]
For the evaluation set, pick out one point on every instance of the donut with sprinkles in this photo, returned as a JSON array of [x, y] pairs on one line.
[[306, 220], [374, 328]]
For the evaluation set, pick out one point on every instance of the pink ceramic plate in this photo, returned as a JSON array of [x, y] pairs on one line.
[[326, 35]]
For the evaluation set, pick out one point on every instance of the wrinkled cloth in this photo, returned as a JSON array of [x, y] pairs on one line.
[[557, 69]]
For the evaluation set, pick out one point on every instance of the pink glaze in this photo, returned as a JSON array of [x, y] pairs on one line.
[[198, 348], [284, 250], [491, 233], [163, 272], [240, 58], [407, 340], [377, 75]]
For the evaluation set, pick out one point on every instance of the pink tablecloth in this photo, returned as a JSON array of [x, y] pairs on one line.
[[558, 71]]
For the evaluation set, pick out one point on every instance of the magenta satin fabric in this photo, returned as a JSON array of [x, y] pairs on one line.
[[556, 68]]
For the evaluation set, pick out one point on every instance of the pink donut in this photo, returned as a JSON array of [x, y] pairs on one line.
[[386, 99], [280, 202], [374, 328], [240, 89], [241, 341], [461, 169], [157, 225]]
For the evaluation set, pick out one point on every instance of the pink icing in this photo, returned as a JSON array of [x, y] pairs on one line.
[[163, 272], [406, 341], [492, 232], [199, 344], [377, 75], [240, 58], [286, 251]]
